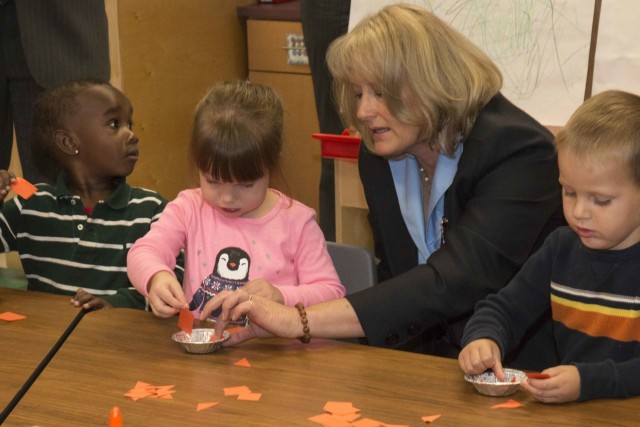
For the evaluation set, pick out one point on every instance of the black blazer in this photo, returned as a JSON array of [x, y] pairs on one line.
[[64, 39], [503, 201]]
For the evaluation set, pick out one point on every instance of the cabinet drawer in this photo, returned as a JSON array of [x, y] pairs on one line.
[[268, 46]]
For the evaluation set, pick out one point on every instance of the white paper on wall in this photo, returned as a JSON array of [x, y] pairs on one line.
[[541, 47]]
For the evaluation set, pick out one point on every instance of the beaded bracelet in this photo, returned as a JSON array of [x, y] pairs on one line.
[[306, 338]]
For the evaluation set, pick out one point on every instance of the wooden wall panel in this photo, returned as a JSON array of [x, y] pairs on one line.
[[170, 52]]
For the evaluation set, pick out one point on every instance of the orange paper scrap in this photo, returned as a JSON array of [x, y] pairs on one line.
[[340, 408], [340, 414], [23, 188], [430, 418], [142, 390], [235, 391], [11, 317], [367, 422], [234, 330], [254, 397], [510, 404], [205, 405], [243, 362], [185, 320], [328, 420]]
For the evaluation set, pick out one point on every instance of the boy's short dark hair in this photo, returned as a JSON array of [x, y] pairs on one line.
[[51, 109]]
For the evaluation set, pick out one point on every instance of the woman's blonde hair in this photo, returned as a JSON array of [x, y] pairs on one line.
[[237, 132], [429, 74], [606, 126]]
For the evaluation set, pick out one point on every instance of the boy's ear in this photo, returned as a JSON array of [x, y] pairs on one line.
[[65, 142]]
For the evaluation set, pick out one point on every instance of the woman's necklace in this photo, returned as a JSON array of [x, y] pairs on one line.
[[426, 181]]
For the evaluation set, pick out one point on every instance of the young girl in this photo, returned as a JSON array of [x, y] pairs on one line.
[[73, 237], [235, 230]]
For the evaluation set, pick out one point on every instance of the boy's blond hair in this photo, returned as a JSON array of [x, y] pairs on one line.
[[429, 74], [606, 126]]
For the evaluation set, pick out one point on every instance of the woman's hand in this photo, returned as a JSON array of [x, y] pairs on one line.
[[6, 179], [265, 289], [562, 386], [480, 355], [267, 318], [165, 295], [89, 301]]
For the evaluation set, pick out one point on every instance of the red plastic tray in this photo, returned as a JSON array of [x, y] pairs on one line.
[[343, 146]]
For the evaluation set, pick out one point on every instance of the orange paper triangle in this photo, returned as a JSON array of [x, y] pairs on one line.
[[205, 405], [243, 362], [430, 418], [11, 317]]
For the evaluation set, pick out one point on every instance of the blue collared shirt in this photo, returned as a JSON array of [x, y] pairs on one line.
[[408, 184]]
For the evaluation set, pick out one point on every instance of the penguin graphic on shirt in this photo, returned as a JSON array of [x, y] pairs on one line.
[[230, 272]]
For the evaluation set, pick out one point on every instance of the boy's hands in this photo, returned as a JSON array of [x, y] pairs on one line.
[[165, 295], [563, 386], [88, 301], [480, 355], [264, 288], [6, 179]]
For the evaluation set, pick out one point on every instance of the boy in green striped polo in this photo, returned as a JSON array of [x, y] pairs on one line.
[[73, 238]]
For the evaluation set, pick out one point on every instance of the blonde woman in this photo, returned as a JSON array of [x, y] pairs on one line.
[[462, 186]]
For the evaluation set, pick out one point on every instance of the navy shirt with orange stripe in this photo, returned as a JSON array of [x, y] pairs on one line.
[[593, 298]]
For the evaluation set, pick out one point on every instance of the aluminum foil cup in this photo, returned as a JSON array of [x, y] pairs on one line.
[[199, 341], [487, 383]]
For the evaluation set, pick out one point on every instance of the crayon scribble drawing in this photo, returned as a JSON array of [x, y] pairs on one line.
[[541, 47]]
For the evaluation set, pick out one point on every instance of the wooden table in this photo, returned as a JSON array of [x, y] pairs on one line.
[[110, 350], [25, 343]]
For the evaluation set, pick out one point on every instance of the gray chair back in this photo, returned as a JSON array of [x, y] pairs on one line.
[[356, 266]]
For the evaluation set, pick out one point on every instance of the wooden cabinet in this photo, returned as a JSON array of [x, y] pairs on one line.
[[268, 64]]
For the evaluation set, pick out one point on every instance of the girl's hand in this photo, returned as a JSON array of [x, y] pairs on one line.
[[562, 386], [480, 355], [89, 301], [165, 295], [6, 179], [263, 288]]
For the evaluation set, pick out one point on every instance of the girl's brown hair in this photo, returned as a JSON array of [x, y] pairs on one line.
[[237, 132]]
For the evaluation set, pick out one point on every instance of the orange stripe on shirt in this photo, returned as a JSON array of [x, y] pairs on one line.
[[597, 320]]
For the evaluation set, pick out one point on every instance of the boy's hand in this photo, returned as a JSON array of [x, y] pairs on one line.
[[264, 288], [480, 355], [562, 386], [165, 295], [88, 301], [6, 179]]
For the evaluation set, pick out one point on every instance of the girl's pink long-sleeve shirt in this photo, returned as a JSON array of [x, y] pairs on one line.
[[286, 247]]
